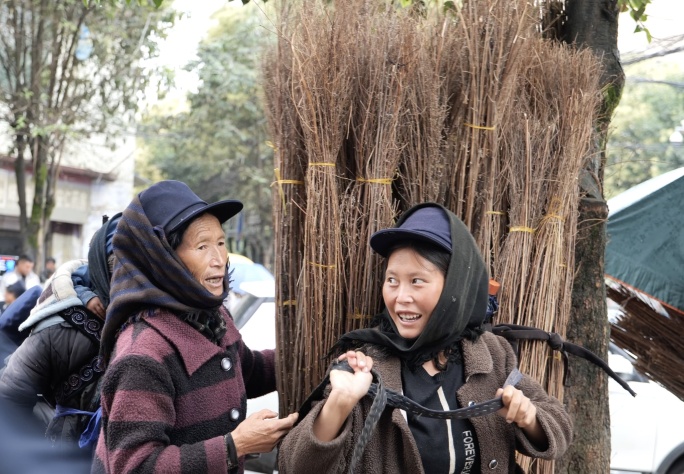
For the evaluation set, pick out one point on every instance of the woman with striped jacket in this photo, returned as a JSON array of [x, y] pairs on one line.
[[178, 376]]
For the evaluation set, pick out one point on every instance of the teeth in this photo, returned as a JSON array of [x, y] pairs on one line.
[[409, 317]]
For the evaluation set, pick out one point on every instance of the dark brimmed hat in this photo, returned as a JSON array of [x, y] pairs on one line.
[[170, 204], [428, 224]]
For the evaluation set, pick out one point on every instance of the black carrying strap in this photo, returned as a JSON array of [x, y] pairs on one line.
[[516, 332], [383, 397], [88, 324], [85, 322]]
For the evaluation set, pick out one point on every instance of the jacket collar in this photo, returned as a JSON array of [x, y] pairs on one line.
[[476, 358], [193, 348]]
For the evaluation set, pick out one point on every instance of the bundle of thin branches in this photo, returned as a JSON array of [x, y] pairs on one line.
[[474, 110], [321, 89], [653, 338], [382, 57], [494, 38], [424, 169], [545, 140], [289, 198]]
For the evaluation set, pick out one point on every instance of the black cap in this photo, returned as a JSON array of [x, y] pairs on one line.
[[170, 204], [428, 224]]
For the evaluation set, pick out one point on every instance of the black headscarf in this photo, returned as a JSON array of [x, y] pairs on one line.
[[462, 304], [98, 259], [148, 274]]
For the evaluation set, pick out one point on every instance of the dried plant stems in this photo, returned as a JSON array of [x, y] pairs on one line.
[[289, 200], [374, 109], [380, 66], [653, 338]]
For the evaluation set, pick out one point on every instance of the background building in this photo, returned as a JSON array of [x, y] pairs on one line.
[[95, 179]]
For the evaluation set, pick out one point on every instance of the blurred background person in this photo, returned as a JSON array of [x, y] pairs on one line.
[[60, 359], [25, 450], [16, 313], [12, 292], [23, 272], [48, 269]]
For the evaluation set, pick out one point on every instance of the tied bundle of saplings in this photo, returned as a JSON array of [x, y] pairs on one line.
[[373, 108]]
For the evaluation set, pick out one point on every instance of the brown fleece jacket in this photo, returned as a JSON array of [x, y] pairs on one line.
[[391, 449]]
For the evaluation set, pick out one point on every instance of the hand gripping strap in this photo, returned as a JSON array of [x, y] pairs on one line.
[[383, 397]]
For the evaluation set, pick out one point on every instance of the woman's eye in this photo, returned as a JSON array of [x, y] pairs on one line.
[[417, 281]]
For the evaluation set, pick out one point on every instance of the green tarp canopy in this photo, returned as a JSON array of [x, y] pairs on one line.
[[645, 249]]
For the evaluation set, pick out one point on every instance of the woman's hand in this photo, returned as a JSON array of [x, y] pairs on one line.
[[347, 389], [352, 386], [260, 432], [520, 410]]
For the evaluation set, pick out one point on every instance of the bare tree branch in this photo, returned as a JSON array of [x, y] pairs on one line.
[[657, 49]]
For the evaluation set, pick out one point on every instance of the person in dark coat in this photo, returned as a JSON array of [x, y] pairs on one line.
[[22, 272], [15, 314], [429, 344], [48, 269], [179, 375], [24, 448], [12, 292], [7, 347], [60, 359]]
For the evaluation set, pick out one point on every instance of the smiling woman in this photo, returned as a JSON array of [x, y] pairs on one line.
[[413, 285], [429, 344]]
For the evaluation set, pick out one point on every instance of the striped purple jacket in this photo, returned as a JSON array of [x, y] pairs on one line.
[[169, 395]]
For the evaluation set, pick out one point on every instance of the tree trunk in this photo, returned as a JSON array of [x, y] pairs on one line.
[[20, 173], [592, 24], [40, 151], [587, 396]]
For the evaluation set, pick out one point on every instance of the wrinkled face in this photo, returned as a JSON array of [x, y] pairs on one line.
[[24, 267], [203, 251], [411, 291]]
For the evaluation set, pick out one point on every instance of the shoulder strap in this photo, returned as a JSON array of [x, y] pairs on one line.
[[89, 373], [85, 322], [516, 332]]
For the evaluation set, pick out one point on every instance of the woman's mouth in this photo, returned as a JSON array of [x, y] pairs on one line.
[[215, 281], [408, 317]]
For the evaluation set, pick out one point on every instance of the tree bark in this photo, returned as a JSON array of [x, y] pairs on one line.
[[20, 173], [587, 396], [591, 24]]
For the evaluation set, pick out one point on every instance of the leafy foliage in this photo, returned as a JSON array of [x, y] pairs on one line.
[[219, 145], [67, 70], [651, 107], [142, 3], [637, 10]]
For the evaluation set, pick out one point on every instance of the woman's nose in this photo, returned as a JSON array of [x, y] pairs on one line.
[[404, 294], [219, 258]]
